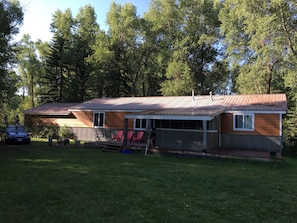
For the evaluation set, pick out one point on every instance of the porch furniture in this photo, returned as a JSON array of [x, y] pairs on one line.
[[118, 136], [138, 137], [129, 136]]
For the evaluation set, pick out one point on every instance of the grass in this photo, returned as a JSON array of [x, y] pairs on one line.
[[52, 184]]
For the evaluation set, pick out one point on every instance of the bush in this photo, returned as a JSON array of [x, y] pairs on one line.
[[290, 148], [66, 133], [44, 131]]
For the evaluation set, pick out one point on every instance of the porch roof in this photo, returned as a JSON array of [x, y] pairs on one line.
[[177, 114]]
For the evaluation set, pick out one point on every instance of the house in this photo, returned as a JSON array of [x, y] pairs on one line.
[[179, 123]]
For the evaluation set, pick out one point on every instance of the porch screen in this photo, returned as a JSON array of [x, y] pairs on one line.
[[179, 124]]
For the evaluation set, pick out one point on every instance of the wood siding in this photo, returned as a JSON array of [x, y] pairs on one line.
[[264, 124], [51, 121], [79, 119], [84, 117], [116, 120]]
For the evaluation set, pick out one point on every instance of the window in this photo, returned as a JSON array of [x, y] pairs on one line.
[[243, 122], [140, 123], [99, 119]]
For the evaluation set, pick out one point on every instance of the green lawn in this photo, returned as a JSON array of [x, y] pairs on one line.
[[51, 184]]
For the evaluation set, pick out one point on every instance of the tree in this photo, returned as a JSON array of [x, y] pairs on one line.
[[100, 61], [29, 68], [189, 33], [59, 59], [84, 38], [257, 41], [123, 28], [261, 40], [11, 17]]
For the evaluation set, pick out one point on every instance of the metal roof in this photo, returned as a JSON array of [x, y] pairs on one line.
[[51, 109], [256, 102], [204, 105]]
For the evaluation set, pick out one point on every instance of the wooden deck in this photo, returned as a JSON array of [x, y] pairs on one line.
[[226, 153], [217, 153]]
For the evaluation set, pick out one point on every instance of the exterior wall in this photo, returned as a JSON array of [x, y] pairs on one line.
[[81, 123], [265, 124], [252, 142], [78, 119], [85, 118], [265, 137], [116, 120], [112, 119], [52, 121]]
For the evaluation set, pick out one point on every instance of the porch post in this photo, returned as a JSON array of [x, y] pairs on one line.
[[204, 135], [125, 133], [219, 130]]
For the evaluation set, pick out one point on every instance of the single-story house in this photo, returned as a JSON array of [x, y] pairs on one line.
[[182, 123]]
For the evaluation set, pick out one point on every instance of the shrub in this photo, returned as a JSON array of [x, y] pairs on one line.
[[65, 132]]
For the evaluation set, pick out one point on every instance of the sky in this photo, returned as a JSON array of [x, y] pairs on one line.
[[38, 13]]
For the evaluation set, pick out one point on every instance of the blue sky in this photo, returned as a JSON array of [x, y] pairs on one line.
[[38, 13]]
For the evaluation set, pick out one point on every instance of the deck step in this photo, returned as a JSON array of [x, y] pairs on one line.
[[111, 148]]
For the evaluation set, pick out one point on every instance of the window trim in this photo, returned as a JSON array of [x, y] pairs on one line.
[[103, 121], [244, 114], [141, 128]]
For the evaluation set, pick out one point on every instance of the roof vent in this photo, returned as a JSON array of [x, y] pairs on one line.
[[210, 95], [193, 95]]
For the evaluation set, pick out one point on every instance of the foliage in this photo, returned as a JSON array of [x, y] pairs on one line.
[[88, 185], [65, 132], [228, 46], [11, 16], [55, 132], [12, 108], [29, 67], [261, 44], [44, 131]]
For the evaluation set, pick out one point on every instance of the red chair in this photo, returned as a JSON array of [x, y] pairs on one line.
[[138, 137], [130, 136], [118, 136]]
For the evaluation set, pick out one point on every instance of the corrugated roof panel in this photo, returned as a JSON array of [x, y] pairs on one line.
[[51, 109], [256, 102]]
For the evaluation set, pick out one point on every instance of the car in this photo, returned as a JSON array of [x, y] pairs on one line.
[[14, 134]]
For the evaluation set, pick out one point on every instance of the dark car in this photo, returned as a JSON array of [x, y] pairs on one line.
[[15, 134]]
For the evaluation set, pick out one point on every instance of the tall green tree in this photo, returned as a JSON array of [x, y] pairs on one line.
[[100, 61], [84, 38], [188, 33], [122, 22], [29, 67], [59, 61], [163, 24], [257, 41], [261, 40], [11, 17]]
